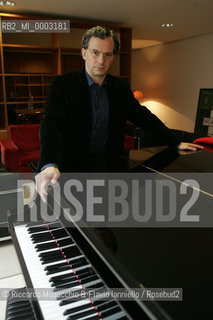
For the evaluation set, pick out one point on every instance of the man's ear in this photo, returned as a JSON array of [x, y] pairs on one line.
[[83, 53]]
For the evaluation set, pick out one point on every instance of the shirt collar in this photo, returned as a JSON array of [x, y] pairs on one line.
[[91, 82]]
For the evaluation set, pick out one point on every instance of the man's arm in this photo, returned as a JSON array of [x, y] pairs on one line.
[[50, 127], [50, 140], [151, 124]]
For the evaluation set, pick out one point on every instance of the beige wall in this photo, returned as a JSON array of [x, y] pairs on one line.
[[171, 75]]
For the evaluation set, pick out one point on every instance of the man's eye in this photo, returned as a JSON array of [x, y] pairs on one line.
[[95, 53], [108, 54]]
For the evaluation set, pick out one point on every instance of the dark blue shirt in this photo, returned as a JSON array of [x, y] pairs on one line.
[[100, 115]]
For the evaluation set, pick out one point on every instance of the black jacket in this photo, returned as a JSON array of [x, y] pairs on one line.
[[66, 128]]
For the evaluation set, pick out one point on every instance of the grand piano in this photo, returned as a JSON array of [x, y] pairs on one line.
[[67, 255]]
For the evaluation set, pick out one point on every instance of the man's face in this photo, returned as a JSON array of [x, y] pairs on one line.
[[98, 57]]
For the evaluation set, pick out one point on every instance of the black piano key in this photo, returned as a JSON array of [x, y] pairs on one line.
[[51, 253], [75, 282], [65, 301], [88, 305], [57, 255], [19, 309], [95, 317], [72, 252], [52, 258], [83, 314], [103, 314], [85, 307], [67, 281], [13, 303], [43, 231], [80, 274], [41, 223], [52, 245], [26, 317], [45, 246], [58, 258], [80, 262], [70, 283], [64, 266], [59, 267], [72, 273], [101, 309], [37, 229], [32, 230], [79, 308], [22, 316], [67, 286], [59, 283], [41, 237], [63, 277], [88, 278], [45, 236]]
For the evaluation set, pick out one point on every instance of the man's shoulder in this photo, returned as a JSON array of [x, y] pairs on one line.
[[69, 78], [117, 80], [119, 83]]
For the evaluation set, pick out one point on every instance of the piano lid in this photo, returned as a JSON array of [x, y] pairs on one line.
[[162, 258]]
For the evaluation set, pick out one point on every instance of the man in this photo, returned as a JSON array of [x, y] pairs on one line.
[[86, 112]]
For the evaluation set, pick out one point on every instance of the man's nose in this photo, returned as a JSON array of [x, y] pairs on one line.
[[101, 58]]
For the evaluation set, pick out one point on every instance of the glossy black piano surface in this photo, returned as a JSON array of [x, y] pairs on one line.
[[164, 257], [170, 160], [160, 257]]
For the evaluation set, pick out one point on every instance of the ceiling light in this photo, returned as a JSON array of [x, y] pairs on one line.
[[167, 25], [7, 3]]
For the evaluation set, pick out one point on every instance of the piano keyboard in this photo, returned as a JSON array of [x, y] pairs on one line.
[[55, 262]]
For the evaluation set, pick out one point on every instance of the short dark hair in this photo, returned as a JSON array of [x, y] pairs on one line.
[[102, 33]]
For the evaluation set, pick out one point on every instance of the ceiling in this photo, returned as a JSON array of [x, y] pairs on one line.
[[189, 17]]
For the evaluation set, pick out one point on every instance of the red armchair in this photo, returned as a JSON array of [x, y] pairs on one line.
[[129, 143], [22, 147], [206, 142]]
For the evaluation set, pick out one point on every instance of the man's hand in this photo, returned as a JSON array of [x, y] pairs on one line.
[[186, 147], [189, 146], [42, 179]]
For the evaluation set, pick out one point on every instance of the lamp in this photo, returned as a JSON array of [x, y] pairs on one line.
[[138, 94]]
